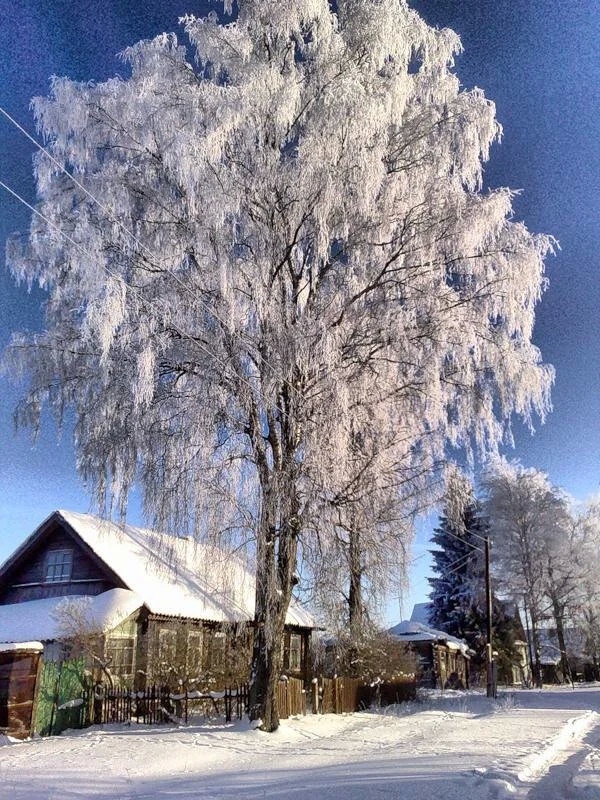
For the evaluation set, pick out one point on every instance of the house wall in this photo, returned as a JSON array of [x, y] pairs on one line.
[[452, 668], [28, 581], [206, 656], [439, 666]]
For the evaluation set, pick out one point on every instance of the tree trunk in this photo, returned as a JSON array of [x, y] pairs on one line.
[[560, 635], [536, 667], [530, 578], [558, 615], [276, 562], [355, 598]]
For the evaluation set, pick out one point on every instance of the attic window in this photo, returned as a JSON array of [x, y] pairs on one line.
[[59, 564]]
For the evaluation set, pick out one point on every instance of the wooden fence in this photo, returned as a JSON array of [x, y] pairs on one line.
[[157, 704], [346, 695], [338, 695], [291, 698]]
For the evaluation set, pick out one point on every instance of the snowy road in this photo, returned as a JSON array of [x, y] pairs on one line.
[[538, 745]]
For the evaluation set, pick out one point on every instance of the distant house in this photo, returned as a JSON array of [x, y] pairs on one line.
[[581, 664], [513, 666], [443, 659], [158, 607]]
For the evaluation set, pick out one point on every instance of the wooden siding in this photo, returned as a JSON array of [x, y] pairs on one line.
[[26, 579], [208, 655], [439, 666]]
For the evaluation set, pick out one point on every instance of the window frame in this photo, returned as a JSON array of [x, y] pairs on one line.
[[120, 644], [295, 652], [194, 649], [167, 646], [58, 571]]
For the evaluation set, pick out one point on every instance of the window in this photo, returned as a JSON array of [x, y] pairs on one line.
[[194, 651], [120, 652], [295, 655], [167, 645], [59, 564], [217, 651]]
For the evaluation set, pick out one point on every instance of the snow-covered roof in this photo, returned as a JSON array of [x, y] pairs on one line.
[[11, 647], [43, 620], [549, 649], [420, 613], [410, 631], [174, 576]]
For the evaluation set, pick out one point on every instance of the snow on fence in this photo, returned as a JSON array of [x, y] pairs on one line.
[[158, 704]]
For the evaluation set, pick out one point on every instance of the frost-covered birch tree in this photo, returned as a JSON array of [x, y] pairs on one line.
[[289, 245], [587, 607], [531, 531]]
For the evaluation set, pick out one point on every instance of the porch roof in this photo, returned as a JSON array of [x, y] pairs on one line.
[[46, 620]]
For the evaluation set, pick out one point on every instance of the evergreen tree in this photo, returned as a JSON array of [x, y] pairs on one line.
[[458, 597], [458, 590]]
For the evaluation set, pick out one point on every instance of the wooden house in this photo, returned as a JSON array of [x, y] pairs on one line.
[[151, 607], [443, 659], [512, 663]]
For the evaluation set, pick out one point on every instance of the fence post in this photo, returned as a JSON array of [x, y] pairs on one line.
[[98, 696], [314, 688], [227, 701]]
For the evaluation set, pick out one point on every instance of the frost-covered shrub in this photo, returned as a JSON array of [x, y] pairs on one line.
[[375, 657]]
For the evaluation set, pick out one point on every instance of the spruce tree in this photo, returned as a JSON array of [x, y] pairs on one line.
[[458, 588], [458, 598]]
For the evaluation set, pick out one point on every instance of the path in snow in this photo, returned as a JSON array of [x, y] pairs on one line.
[[538, 745]]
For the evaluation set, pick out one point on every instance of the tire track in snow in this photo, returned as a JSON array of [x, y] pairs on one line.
[[563, 777], [549, 774]]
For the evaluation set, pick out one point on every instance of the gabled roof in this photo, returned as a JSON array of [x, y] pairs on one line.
[[418, 632], [172, 576], [420, 613]]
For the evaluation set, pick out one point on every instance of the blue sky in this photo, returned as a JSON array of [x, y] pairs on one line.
[[537, 59]]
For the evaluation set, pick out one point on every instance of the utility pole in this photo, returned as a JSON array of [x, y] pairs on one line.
[[489, 660]]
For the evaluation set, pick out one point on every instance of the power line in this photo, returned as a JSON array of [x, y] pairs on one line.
[[132, 289], [455, 564], [141, 244], [464, 541]]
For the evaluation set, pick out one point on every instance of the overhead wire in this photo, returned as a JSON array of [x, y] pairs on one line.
[[141, 244], [464, 541], [452, 567], [132, 289]]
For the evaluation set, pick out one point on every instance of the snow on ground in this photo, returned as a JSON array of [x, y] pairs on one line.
[[456, 746]]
